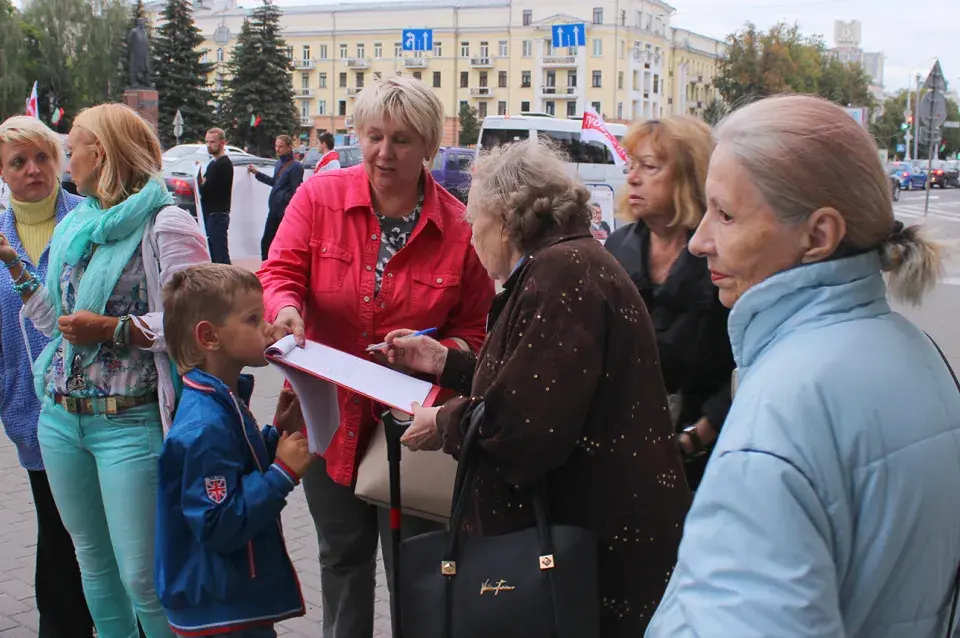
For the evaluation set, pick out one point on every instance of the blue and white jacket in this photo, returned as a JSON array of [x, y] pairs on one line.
[[221, 561], [20, 344]]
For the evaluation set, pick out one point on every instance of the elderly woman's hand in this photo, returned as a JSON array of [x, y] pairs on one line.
[[420, 354], [423, 433], [289, 322], [7, 252], [84, 328]]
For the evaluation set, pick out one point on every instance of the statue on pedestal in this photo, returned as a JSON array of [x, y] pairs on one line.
[[138, 49]]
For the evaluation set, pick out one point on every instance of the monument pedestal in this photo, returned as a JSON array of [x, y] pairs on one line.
[[145, 102]]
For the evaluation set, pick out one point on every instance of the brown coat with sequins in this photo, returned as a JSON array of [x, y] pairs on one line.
[[573, 393]]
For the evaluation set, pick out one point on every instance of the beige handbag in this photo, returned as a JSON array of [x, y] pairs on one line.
[[426, 479]]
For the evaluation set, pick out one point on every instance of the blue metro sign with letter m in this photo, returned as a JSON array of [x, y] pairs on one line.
[[418, 39], [569, 35]]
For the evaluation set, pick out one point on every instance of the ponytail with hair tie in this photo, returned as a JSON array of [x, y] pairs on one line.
[[914, 262]]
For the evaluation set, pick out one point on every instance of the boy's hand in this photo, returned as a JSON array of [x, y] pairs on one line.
[[289, 416], [295, 453]]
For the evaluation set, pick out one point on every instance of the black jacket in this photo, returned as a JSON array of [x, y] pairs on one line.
[[217, 187], [690, 323], [284, 184]]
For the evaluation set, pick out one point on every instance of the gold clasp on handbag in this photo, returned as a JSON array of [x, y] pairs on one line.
[[448, 568]]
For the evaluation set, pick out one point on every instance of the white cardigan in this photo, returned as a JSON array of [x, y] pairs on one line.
[[172, 241]]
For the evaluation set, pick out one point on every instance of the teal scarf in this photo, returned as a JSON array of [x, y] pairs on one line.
[[115, 233]]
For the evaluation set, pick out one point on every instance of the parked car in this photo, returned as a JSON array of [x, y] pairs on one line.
[[944, 174], [180, 176], [349, 156], [911, 176], [196, 151], [895, 187], [451, 169]]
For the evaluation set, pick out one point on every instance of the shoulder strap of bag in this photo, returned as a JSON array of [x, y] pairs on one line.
[[283, 169], [956, 582]]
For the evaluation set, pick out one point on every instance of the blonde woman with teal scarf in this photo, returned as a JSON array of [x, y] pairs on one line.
[[105, 383]]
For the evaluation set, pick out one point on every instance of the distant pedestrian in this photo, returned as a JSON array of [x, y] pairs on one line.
[[216, 188], [330, 160], [287, 177]]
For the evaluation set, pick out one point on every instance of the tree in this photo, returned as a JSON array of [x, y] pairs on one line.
[[888, 132], [260, 84], [13, 83], [783, 60], [180, 75], [716, 110], [469, 126]]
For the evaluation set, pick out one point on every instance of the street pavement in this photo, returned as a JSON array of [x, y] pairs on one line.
[[18, 530]]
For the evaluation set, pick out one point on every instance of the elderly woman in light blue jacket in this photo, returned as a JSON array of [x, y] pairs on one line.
[[830, 506]]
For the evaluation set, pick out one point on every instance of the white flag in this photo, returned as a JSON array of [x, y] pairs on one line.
[[32, 102], [594, 129]]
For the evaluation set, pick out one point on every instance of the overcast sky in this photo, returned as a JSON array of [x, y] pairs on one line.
[[911, 34]]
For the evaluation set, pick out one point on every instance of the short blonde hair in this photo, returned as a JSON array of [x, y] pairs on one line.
[[408, 103], [527, 187], [804, 154], [23, 129], [205, 292], [684, 144], [221, 136], [131, 150]]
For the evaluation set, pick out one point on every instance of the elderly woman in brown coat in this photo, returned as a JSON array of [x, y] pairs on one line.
[[570, 381]]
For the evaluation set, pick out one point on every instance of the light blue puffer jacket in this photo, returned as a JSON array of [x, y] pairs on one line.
[[831, 505]]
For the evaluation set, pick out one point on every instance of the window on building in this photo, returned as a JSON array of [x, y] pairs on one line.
[[343, 51], [220, 55], [656, 83], [417, 75], [485, 50], [305, 53], [437, 50], [361, 50], [502, 79], [551, 78], [378, 50], [527, 48], [598, 15], [483, 79], [595, 106], [305, 108], [619, 110], [304, 80], [463, 103], [398, 49], [524, 107], [322, 107], [342, 107], [597, 79], [571, 108], [205, 58], [620, 80], [597, 47], [527, 17], [464, 49], [504, 49], [482, 110], [359, 79], [501, 108], [464, 79], [623, 49], [342, 81], [547, 48], [288, 52], [525, 79], [550, 107], [572, 79], [323, 80], [323, 52], [436, 79]]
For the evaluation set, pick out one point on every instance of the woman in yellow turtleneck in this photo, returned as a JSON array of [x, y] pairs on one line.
[[31, 162]]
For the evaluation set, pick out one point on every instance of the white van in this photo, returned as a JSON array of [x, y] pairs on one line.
[[591, 161]]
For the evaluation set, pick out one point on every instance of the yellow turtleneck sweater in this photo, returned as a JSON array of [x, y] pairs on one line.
[[35, 222]]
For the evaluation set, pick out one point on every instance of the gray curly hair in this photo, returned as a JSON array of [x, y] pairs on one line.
[[529, 189]]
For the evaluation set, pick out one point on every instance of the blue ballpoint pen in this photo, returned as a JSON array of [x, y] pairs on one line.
[[384, 344]]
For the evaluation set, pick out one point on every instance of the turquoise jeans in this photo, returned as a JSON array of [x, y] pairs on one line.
[[103, 475]]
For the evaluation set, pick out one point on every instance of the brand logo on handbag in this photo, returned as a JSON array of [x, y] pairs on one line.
[[499, 586]]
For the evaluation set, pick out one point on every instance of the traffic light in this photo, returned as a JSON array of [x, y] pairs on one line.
[[909, 120], [904, 126]]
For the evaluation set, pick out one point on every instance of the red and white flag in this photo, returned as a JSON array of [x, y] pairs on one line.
[[595, 130], [32, 102]]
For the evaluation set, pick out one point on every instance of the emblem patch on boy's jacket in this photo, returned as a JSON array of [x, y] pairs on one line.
[[216, 488]]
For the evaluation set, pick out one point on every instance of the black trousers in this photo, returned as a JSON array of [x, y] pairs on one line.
[[269, 232], [217, 226], [59, 592]]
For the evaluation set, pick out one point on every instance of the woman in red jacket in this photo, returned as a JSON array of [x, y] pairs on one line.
[[361, 252]]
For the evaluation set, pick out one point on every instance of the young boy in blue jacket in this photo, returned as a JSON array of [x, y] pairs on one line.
[[221, 563]]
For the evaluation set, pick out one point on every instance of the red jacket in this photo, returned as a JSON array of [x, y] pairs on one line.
[[322, 263]]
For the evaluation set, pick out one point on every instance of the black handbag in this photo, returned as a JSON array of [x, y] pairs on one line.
[[540, 582]]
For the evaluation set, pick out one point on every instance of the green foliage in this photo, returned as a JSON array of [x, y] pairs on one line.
[[13, 83], [783, 60], [887, 132], [180, 75], [469, 126], [260, 84], [716, 110]]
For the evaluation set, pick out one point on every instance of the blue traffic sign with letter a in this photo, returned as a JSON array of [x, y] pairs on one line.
[[418, 39], [569, 35]]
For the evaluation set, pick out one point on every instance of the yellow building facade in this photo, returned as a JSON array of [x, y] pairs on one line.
[[694, 62], [494, 55]]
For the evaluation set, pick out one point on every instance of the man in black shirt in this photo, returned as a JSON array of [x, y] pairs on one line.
[[216, 187]]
